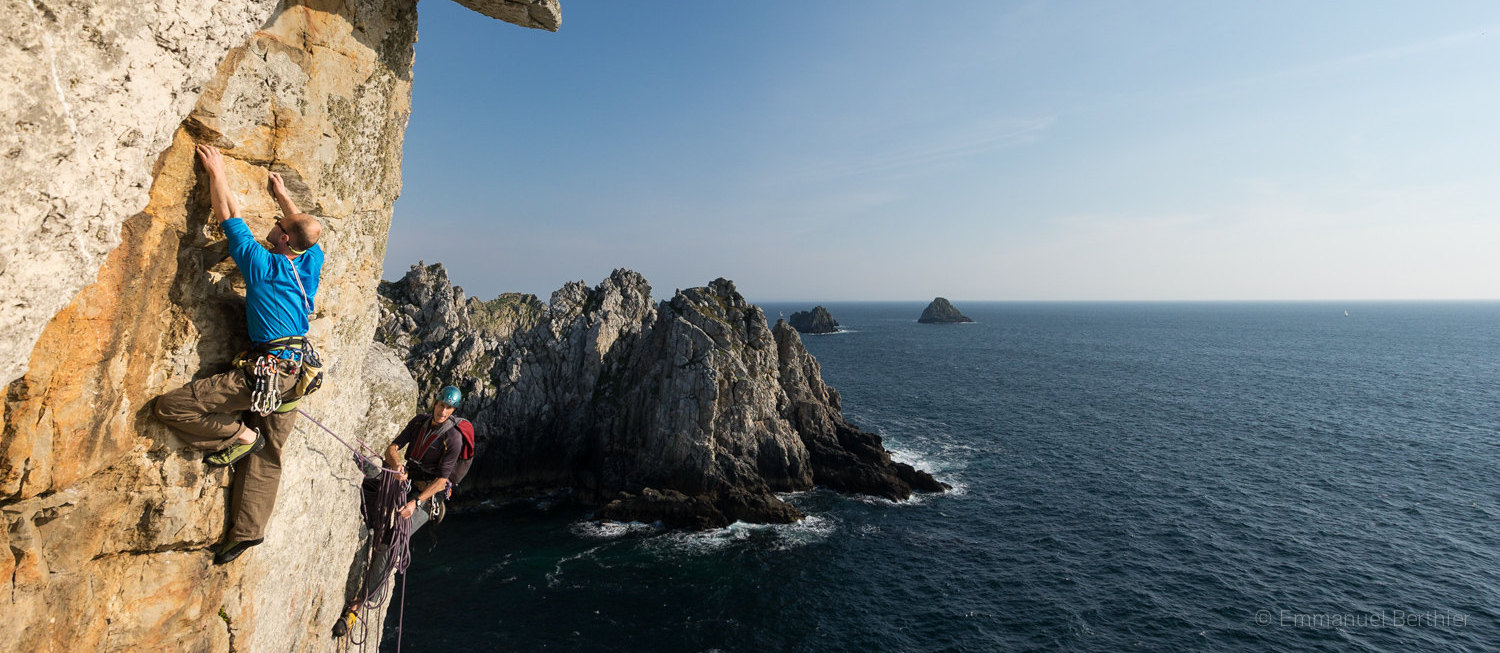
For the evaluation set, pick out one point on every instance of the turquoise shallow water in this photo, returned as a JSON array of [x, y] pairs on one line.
[[1163, 477]]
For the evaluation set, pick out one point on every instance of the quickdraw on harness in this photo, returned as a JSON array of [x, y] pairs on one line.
[[265, 398]]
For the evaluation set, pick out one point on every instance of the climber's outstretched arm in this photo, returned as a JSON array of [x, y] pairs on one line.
[[223, 200]]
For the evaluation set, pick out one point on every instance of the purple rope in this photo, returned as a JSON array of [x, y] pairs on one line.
[[401, 618], [390, 499], [310, 418]]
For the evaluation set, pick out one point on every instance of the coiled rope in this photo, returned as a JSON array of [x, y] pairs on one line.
[[390, 532]]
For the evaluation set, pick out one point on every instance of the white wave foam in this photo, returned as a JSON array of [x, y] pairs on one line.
[[872, 500], [497, 569], [698, 543], [840, 331], [554, 578], [810, 529], [917, 498], [909, 457], [609, 530], [945, 459]]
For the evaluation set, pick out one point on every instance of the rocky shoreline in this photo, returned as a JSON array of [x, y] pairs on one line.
[[693, 412]]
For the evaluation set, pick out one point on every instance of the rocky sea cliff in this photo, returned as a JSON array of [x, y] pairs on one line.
[[692, 411]]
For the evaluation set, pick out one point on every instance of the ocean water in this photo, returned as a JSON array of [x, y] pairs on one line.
[[1155, 477]]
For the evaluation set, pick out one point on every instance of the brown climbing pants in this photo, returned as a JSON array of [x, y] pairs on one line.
[[207, 414]]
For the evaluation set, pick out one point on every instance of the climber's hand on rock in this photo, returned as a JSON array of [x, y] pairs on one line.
[[212, 160]]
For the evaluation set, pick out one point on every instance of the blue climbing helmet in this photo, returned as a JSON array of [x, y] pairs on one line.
[[451, 396]]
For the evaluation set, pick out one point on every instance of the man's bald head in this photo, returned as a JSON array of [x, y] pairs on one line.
[[302, 229]]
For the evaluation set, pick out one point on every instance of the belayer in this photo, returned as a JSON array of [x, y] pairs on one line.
[[246, 412], [439, 447]]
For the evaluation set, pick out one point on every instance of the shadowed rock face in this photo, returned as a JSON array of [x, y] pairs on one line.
[[691, 411], [128, 292], [818, 320], [942, 312]]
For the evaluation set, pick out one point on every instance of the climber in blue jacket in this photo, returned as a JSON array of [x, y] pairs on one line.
[[244, 419]]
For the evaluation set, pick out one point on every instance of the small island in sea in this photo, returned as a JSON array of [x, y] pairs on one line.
[[940, 311], [818, 320]]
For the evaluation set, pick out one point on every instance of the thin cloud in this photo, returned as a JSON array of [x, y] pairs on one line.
[[960, 146], [1326, 67]]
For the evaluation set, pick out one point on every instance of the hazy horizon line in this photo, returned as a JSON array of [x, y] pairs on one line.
[[1391, 300]]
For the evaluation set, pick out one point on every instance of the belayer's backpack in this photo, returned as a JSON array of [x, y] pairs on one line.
[[466, 456]]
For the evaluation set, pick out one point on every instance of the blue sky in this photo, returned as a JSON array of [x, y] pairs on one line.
[[980, 150]]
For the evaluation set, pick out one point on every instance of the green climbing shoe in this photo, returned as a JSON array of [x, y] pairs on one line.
[[344, 624], [228, 551], [236, 452]]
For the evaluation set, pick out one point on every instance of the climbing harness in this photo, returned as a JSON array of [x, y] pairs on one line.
[[265, 362]]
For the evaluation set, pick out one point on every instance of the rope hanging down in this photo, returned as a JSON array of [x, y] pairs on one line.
[[392, 535], [389, 533]]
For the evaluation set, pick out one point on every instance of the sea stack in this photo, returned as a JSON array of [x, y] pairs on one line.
[[818, 320], [940, 311]]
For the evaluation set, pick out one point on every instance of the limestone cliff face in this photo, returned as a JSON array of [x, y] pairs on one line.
[[106, 515], [691, 411], [91, 94]]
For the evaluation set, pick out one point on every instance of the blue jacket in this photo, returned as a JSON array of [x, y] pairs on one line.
[[274, 305]]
